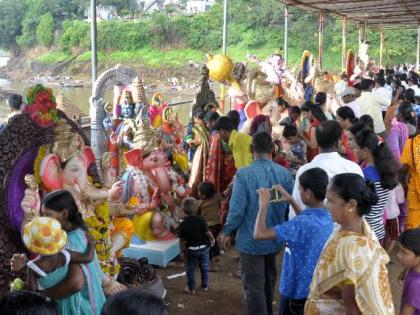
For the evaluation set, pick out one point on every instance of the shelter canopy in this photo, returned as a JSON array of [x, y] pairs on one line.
[[386, 13]]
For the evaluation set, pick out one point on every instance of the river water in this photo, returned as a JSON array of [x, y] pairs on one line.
[[80, 97]]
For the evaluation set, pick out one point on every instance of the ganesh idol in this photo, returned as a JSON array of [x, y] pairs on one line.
[[65, 164]]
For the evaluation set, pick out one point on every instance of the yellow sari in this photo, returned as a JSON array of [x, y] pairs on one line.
[[352, 258], [411, 157]]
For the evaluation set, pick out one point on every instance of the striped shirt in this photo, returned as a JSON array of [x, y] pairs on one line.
[[376, 216]]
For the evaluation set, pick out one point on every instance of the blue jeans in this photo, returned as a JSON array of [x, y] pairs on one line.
[[202, 257]]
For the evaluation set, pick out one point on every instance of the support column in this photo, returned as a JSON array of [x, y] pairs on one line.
[[320, 38], [418, 49], [344, 45], [224, 51], [286, 34], [362, 33], [381, 50], [93, 39]]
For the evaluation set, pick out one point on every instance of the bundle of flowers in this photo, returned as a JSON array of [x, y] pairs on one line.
[[41, 105]]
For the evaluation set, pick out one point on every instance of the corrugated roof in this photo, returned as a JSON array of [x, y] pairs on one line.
[[384, 13]]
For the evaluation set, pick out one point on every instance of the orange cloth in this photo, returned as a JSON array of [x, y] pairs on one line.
[[411, 157], [125, 227]]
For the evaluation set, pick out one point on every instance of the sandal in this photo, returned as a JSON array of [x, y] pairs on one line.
[[187, 290]]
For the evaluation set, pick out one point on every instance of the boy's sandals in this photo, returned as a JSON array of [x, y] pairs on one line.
[[206, 289], [187, 290]]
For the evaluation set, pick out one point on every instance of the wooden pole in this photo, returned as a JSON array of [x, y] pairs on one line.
[[418, 49], [286, 33], [344, 44], [320, 38], [381, 50], [224, 51], [93, 39]]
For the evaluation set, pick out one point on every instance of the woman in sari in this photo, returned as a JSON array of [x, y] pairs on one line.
[[315, 115], [201, 142], [410, 160], [220, 167], [346, 118], [397, 100], [351, 275]]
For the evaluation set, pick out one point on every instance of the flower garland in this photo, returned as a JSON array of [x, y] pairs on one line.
[[41, 105], [42, 152], [99, 228]]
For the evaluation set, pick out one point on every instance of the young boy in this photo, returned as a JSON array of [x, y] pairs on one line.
[[294, 117], [198, 239], [305, 237], [409, 256], [295, 149]]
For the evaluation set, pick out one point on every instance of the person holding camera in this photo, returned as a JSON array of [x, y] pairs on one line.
[[305, 236]]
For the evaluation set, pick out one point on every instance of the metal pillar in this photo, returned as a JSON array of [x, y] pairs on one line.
[[344, 45], [381, 50], [320, 38], [225, 21], [286, 33], [93, 39], [418, 49]]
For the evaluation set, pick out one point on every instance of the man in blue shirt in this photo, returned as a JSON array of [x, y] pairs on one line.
[[305, 237], [257, 258]]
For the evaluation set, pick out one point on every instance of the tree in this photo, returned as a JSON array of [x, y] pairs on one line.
[[11, 16], [45, 30]]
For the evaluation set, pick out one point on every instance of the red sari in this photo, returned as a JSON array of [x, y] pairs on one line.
[[220, 167], [348, 152], [311, 153]]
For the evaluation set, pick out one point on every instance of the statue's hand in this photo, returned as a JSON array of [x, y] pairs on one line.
[[31, 202], [18, 262], [115, 192]]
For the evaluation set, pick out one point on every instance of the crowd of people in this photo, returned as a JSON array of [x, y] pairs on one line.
[[333, 194]]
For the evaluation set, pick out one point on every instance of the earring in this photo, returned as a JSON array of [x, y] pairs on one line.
[[350, 210]]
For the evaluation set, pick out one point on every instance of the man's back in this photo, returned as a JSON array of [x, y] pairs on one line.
[[332, 163], [243, 207], [371, 105]]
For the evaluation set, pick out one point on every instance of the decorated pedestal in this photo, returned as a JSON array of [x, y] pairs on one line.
[[158, 253]]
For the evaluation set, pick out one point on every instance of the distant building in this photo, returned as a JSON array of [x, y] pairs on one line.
[[103, 12], [196, 6]]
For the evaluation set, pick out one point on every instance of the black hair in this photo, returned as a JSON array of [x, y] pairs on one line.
[[366, 84], [27, 303], [357, 86], [410, 240], [353, 186], [345, 112], [207, 189], [235, 117], [368, 121], [318, 113], [262, 143], [406, 112], [380, 80], [281, 102], [344, 76], [384, 160], [199, 113], [316, 180], [306, 107], [211, 116], [134, 301], [224, 123], [409, 96], [295, 110], [327, 134], [15, 101], [414, 80], [189, 205], [320, 98], [358, 126], [289, 131], [63, 199]]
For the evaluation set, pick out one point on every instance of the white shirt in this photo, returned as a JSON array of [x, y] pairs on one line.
[[332, 163], [339, 87], [384, 93], [355, 107], [371, 104], [416, 89]]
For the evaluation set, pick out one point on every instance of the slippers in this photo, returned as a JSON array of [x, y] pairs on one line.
[[187, 290]]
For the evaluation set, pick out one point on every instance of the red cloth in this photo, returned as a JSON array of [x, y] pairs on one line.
[[311, 153]]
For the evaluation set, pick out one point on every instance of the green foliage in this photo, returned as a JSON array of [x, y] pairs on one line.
[[54, 57], [45, 30], [11, 16]]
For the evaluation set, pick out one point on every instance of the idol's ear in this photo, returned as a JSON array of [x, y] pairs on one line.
[[50, 172], [134, 158]]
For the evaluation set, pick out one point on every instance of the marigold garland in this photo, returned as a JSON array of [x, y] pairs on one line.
[[42, 152], [99, 227]]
